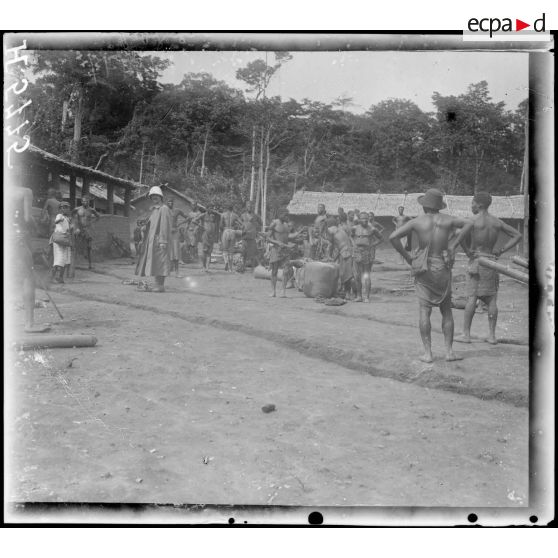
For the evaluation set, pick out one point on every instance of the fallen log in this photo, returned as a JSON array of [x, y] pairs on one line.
[[30, 342], [505, 270], [520, 261]]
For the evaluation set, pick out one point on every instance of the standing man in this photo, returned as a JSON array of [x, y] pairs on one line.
[[19, 267], [206, 222], [229, 221], [342, 245], [317, 234], [431, 264], [366, 238], [155, 257], [84, 219], [50, 209], [483, 282], [175, 238], [399, 220], [250, 225], [280, 252], [194, 232]]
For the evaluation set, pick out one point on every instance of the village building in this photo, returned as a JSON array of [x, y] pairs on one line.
[[40, 170], [303, 207]]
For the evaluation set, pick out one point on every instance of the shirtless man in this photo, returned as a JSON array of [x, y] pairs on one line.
[[84, 216], [206, 238], [483, 282], [280, 252], [341, 251], [175, 240], [250, 225], [50, 209], [194, 232], [431, 264], [366, 238], [317, 233], [229, 223], [399, 220], [19, 267]]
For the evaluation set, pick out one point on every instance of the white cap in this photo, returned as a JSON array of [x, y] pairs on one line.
[[155, 191]]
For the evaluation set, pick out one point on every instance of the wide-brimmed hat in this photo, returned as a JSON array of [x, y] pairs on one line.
[[64, 204], [433, 199], [155, 191]]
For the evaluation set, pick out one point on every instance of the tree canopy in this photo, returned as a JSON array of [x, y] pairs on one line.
[[218, 143]]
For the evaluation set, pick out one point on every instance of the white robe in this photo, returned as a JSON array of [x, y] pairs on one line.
[[62, 254]]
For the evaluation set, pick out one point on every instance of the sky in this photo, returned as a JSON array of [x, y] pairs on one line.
[[369, 77]]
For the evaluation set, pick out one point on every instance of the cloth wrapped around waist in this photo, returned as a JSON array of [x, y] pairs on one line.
[[279, 253], [481, 281], [433, 286]]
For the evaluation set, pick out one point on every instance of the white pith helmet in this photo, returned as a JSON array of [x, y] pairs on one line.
[[155, 191]]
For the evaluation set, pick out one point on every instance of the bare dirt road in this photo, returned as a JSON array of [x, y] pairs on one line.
[[168, 406]]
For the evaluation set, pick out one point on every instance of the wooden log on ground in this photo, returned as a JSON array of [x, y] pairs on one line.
[[523, 262], [30, 342], [505, 270]]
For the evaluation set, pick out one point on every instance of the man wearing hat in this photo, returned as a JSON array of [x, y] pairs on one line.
[[431, 264], [175, 237], [483, 282], [155, 257]]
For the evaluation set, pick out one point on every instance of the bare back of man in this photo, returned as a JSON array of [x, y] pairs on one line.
[[432, 263], [482, 282]]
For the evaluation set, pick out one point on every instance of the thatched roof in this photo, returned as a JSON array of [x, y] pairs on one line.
[[385, 205], [63, 166]]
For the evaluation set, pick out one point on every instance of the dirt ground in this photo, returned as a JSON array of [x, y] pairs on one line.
[[167, 407]]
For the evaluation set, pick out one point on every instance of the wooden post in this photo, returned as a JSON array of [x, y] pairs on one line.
[[110, 198], [127, 200], [72, 191], [85, 186]]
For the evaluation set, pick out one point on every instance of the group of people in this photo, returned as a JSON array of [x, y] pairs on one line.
[[348, 239], [69, 232], [158, 238], [439, 235]]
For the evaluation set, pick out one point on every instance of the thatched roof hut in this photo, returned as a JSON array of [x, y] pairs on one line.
[[305, 203]]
